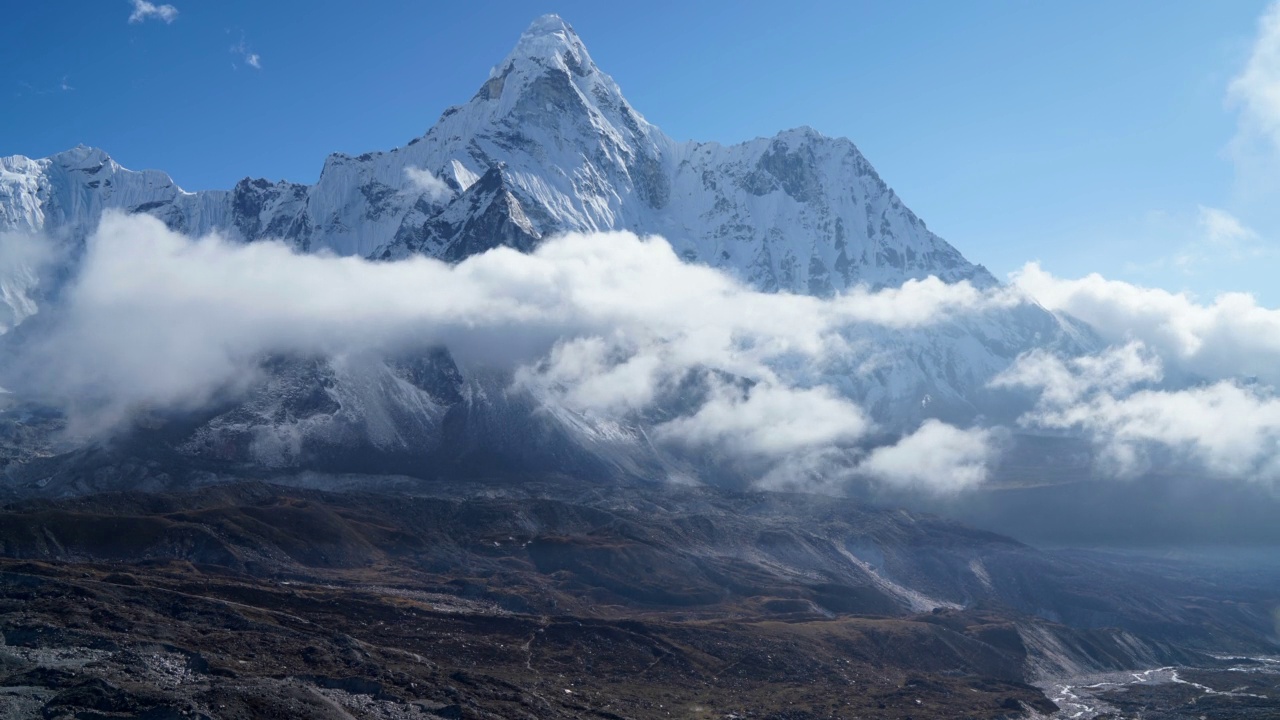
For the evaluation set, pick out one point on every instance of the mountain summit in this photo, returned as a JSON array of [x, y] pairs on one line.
[[550, 41]]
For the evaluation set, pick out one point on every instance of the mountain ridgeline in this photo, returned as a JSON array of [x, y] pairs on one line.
[[547, 145]]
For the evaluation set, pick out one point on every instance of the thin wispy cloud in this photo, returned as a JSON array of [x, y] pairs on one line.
[[1204, 242], [1256, 90], [1220, 237], [63, 85], [143, 11], [1254, 94], [1224, 229], [1213, 240], [24, 261], [246, 55], [428, 184]]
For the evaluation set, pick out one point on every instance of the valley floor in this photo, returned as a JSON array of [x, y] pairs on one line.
[[169, 640], [255, 600], [1240, 687]]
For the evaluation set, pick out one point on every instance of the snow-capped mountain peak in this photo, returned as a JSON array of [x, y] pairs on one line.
[[548, 78], [82, 156], [798, 212], [551, 42], [549, 144]]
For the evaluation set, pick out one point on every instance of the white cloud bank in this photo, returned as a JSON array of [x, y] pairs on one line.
[[1184, 381], [603, 323], [771, 421], [937, 456], [615, 325], [1231, 336], [1222, 428]]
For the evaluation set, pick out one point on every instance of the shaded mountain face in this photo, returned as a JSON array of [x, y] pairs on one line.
[[549, 145]]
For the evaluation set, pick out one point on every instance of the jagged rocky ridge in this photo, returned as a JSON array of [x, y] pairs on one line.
[[548, 145]]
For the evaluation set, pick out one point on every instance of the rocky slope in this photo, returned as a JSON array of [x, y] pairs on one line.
[[555, 599]]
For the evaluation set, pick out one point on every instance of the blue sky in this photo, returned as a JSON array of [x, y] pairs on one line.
[[1092, 136]]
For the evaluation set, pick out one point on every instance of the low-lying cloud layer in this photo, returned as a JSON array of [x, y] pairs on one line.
[[1185, 382], [938, 456], [614, 326], [604, 324], [1223, 428], [1232, 336]]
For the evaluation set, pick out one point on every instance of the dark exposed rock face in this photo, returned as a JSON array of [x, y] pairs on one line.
[[494, 217], [795, 171]]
